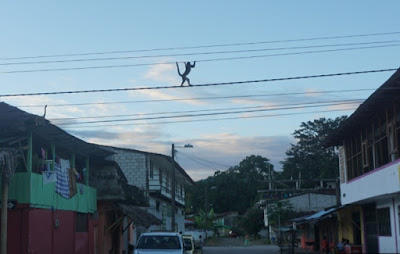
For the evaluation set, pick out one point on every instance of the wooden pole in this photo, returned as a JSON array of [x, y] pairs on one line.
[[173, 189], [4, 201]]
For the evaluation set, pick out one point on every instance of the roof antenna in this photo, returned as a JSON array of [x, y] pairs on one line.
[[44, 115]]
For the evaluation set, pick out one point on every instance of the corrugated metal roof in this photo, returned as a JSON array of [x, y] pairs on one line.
[[388, 92], [139, 215], [14, 122], [160, 158]]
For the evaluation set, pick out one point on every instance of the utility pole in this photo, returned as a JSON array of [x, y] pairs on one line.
[[4, 214], [206, 199], [269, 176], [173, 188]]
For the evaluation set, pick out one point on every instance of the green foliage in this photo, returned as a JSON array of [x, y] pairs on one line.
[[253, 221], [309, 157], [234, 189], [204, 220], [279, 212], [254, 167]]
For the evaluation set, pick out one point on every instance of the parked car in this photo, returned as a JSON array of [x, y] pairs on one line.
[[188, 243], [232, 234], [160, 243]]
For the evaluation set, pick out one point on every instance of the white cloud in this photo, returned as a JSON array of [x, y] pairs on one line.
[[221, 150], [165, 73], [36, 105]]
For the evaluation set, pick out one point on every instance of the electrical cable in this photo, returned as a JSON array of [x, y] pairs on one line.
[[204, 114], [200, 85], [201, 163], [201, 60], [193, 54], [204, 46], [205, 110], [204, 160], [210, 119], [195, 98]]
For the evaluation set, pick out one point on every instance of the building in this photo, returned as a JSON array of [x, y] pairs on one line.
[[302, 205], [368, 144], [224, 222], [153, 174], [52, 202], [121, 208]]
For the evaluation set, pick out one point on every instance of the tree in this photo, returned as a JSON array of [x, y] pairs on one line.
[[205, 220], [253, 221], [255, 167], [279, 212], [234, 189], [309, 157]]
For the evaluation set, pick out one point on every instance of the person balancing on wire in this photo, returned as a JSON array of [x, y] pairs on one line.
[[188, 68]]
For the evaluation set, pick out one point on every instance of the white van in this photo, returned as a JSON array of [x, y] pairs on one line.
[[160, 243]]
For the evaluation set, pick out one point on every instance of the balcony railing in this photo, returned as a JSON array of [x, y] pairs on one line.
[[28, 188]]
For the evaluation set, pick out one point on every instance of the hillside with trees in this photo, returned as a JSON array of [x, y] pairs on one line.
[[236, 188]]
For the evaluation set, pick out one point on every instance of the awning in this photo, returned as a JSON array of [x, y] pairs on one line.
[[139, 216], [319, 215], [316, 216]]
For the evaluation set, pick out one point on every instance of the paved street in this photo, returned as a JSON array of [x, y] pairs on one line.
[[265, 249]]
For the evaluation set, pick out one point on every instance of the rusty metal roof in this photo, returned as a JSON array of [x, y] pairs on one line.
[[14, 122], [139, 215]]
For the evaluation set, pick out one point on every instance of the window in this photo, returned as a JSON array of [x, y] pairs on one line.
[[81, 222], [151, 170], [384, 228], [392, 142], [160, 177], [375, 145], [159, 242], [398, 211], [157, 206], [364, 149], [169, 188]]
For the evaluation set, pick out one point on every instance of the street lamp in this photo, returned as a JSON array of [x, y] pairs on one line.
[[174, 182]]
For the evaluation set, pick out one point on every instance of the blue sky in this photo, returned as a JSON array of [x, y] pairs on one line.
[[39, 28]]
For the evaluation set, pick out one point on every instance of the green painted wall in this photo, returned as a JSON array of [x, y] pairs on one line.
[[28, 188], [46, 197], [19, 187]]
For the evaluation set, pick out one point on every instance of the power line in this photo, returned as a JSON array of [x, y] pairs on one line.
[[212, 119], [212, 162], [194, 54], [203, 46], [195, 98], [201, 163], [205, 114], [208, 110], [200, 85], [201, 60]]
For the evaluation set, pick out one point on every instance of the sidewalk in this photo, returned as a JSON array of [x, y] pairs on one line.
[[237, 241], [304, 251]]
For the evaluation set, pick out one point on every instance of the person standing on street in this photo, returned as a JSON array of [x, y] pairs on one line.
[[247, 241]]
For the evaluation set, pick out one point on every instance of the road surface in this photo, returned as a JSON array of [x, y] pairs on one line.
[[266, 249]]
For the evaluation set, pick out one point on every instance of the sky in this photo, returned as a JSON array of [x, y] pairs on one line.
[[53, 46]]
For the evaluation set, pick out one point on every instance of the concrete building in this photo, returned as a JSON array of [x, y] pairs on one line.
[[153, 174], [304, 205]]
